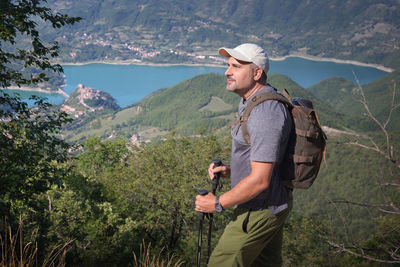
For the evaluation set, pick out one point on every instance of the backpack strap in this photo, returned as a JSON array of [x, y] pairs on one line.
[[254, 101], [287, 95]]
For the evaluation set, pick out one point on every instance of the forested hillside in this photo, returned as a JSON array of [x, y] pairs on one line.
[[187, 31], [201, 104]]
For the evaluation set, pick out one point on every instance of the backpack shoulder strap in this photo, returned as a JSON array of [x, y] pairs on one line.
[[287, 95], [254, 101]]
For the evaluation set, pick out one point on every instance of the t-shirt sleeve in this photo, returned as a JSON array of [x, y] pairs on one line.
[[269, 129]]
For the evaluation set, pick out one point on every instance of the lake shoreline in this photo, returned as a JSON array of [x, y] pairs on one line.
[[39, 90], [303, 56], [335, 60], [222, 66]]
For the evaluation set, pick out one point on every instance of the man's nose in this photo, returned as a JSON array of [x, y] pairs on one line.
[[228, 72]]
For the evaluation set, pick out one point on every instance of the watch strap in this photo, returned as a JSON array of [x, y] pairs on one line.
[[218, 204]]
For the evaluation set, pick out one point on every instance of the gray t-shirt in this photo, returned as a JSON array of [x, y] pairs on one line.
[[269, 126]]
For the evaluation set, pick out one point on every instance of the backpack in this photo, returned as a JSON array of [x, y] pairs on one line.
[[306, 146]]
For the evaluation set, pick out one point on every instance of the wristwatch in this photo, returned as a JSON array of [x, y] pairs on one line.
[[218, 206]]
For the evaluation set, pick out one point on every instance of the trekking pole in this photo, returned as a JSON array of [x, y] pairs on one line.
[[202, 192], [215, 182]]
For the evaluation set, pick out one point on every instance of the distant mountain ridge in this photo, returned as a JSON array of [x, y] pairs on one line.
[[167, 31], [342, 95]]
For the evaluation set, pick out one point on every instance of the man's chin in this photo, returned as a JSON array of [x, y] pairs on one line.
[[230, 88]]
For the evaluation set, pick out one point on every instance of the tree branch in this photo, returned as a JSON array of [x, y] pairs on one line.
[[378, 206], [391, 184], [389, 253], [362, 253], [393, 106]]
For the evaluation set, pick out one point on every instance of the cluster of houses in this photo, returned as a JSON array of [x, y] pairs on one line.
[[141, 51]]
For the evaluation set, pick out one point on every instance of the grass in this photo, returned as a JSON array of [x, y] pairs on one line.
[[147, 260], [15, 251], [216, 104]]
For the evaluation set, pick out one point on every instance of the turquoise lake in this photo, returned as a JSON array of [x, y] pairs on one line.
[[129, 84]]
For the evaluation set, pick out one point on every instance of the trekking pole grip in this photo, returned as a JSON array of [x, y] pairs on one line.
[[215, 181], [202, 192]]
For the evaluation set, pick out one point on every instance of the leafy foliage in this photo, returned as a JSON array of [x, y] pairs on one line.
[[116, 199], [17, 19], [165, 179], [86, 209], [31, 152], [304, 244]]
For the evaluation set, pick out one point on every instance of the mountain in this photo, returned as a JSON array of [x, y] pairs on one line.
[[342, 95], [334, 90], [190, 31], [190, 105], [196, 105], [54, 84]]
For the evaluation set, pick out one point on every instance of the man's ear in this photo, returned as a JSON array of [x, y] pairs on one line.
[[257, 73]]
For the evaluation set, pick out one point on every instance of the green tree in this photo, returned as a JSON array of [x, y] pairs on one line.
[[164, 179], [304, 244], [86, 209], [20, 41], [116, 198], [29, 145], [383, 244], [31, 150], [101, 156], [31, 153]]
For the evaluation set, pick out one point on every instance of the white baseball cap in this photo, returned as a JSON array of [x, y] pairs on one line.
[[248, 53]]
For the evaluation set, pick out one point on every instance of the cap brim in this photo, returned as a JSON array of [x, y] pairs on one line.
[[228, 52]]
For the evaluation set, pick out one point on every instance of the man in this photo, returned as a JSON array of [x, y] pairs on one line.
[[254, 235]]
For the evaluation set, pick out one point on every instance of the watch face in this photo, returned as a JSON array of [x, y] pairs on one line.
[[218, 208]]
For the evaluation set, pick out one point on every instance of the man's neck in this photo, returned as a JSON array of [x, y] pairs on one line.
[[255, 89]]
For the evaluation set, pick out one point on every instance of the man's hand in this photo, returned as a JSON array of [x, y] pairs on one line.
[[205, 204], [225, 171]]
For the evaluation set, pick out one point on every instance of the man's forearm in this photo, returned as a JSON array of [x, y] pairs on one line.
[[249, 187]]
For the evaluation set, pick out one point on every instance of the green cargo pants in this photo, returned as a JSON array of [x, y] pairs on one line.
[[260, 246]]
